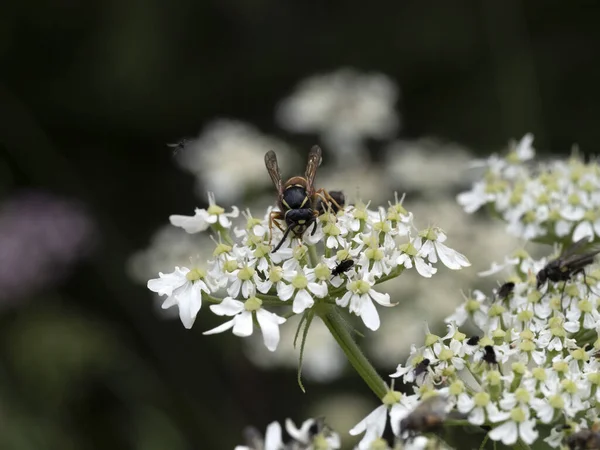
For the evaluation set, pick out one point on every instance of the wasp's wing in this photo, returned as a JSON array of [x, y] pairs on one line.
[[314, 161], [273, 169]]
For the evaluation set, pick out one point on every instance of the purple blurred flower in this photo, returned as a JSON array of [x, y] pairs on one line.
[[41, 237]]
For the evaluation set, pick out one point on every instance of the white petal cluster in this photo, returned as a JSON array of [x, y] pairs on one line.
[[546, 200], [313, 434], [381, 243], [343, 107], [534, 360], [227, 157]]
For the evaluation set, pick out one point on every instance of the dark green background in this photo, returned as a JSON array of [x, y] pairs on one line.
[[91, 91]]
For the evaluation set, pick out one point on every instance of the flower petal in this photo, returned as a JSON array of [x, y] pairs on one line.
[[302, 301], [191, 224], [382, 299], [507, 433], [285, 291], [451, 258], [273, 437], [189, 300], [243, 324], [224, 327], [368, 313], [269, 325], [228, 307]]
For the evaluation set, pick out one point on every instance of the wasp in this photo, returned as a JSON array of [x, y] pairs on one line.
[[343, 266], [296, 197], [567, 265], [584, 440], [429, 415]]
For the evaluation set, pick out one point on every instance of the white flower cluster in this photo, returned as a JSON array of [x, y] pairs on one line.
[[552, 200], [534, 361], [344, 107], [313, 434], [381, 244]]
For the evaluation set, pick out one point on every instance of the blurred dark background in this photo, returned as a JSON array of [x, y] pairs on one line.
[[90, 93]]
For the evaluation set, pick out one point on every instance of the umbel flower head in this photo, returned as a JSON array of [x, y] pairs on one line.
[[544, 201], [381, 243], [313, 434], [533, 361]]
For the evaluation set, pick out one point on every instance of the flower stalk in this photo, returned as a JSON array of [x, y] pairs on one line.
[[334, 323]]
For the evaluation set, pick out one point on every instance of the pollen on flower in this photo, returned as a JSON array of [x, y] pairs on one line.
[[300, 281], [246, 273], [481, 399], [195, 274], [221, 249], [252, 304], [446, 354], [569, 386], [391, 397], [457, 387], [522, 395], [518, 415], [539, 373]]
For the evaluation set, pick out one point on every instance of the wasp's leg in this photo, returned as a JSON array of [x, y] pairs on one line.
[[285, 235], [327, 198], [275, 215], [314, 224]]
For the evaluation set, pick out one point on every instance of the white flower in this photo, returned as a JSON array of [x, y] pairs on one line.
[[344, 107], [359, 297], [319, 439], [272, 439], [433, 246], [474, 199], [520, 426], [241, 323], [302, 283], [414, 252], [397, 405], [227, 158], [496, 268], [183, 287], [478, 407], [204, 218]]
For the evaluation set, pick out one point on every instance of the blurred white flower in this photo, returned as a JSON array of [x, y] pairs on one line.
[[343, 108], [426, 165], [228, 158]]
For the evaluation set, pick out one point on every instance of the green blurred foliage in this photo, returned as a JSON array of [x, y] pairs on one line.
[[90, 92]]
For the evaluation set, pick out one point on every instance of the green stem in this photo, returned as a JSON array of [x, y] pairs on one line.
[[359, 361], [312, 255], [522, 445]]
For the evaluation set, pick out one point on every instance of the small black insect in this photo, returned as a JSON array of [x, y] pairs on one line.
[[583, 440], [473, 340], [567, 265], [343, 266], [428, 416], [505, 290], [421, 368], [490, 355], [177, 146]]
